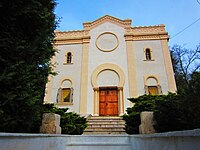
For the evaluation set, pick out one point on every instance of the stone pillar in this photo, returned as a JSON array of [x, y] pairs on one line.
[[121, 101], [168, 66], [96, 101], [50, 124], [131, 60], [84, 77], [147, 123]]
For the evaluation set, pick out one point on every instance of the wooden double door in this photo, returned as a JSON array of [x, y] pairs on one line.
[[108, 101]]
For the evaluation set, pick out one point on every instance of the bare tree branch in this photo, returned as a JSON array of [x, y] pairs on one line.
[[187, 60]]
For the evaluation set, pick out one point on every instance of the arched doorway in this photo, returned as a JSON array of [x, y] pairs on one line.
[[108, 81]]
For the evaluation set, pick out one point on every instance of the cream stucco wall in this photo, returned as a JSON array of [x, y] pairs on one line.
[[155, 68], [67, 71], [98, 57]]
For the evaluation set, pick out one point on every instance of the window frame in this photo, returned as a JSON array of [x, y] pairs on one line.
[[68, 59], [152, 88], [157, 84], [159, 90], [150, 58], [60, 100]]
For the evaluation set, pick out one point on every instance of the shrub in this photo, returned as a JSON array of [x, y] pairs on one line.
[[132, 122], [132, 118], [169, 113], [71, 123], [166, 109]]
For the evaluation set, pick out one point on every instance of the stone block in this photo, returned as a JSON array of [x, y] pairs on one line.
[[50, 124], [147, 123]]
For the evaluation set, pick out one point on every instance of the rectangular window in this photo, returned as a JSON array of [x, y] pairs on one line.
[[153, 90], [66, 95]]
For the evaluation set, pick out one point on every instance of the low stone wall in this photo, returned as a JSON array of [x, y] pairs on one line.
[[179, 140], [14, 141], [182, 140]]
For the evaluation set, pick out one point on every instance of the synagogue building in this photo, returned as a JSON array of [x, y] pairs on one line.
[[108, 61]]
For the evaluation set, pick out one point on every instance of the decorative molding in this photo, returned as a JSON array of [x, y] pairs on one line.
[[72, 37], [120, 88], [131, 33], [155, 76], [108, 66], [96, 88], [148, 29], [146, 33], [66, 79], [113, 38], [146, 37], [123, 23]]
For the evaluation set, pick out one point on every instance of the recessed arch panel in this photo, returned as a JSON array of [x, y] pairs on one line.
[[106, 67]]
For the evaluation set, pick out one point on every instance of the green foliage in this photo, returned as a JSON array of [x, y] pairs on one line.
[[27, 34], [180, 112], [172, 112], [153, 103], [191, 102], [71, 123], [186, 64], [132, 118], [168, 113]]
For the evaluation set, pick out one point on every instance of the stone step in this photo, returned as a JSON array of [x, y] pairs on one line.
[[105, 125], [105, 117], [104, 133], [99, 142], [106, 121], [104, 130]]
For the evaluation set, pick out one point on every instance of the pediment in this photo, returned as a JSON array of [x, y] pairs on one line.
[[122, 23]]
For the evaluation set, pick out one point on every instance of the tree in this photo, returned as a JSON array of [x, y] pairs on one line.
[[185, 63], [27, 35]]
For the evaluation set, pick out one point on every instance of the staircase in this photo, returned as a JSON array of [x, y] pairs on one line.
[[99, 142], [105, 125]]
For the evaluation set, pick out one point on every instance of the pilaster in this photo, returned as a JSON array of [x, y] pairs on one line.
[[84, 77], [168, 66], [131, 68]]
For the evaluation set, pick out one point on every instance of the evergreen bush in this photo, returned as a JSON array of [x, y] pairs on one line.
[[70, 122], [132, 118], [166, 109]]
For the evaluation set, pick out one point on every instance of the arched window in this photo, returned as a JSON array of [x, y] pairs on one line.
[[152, 87], [65, 93], [148, 54], [69, 57]]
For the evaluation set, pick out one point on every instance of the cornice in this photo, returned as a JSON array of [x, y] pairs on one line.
[[72, 37], [146, 37], [123, 23], [156, 32], [146, 33]]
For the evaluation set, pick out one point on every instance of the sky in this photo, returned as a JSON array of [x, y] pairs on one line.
[[176, 15]]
